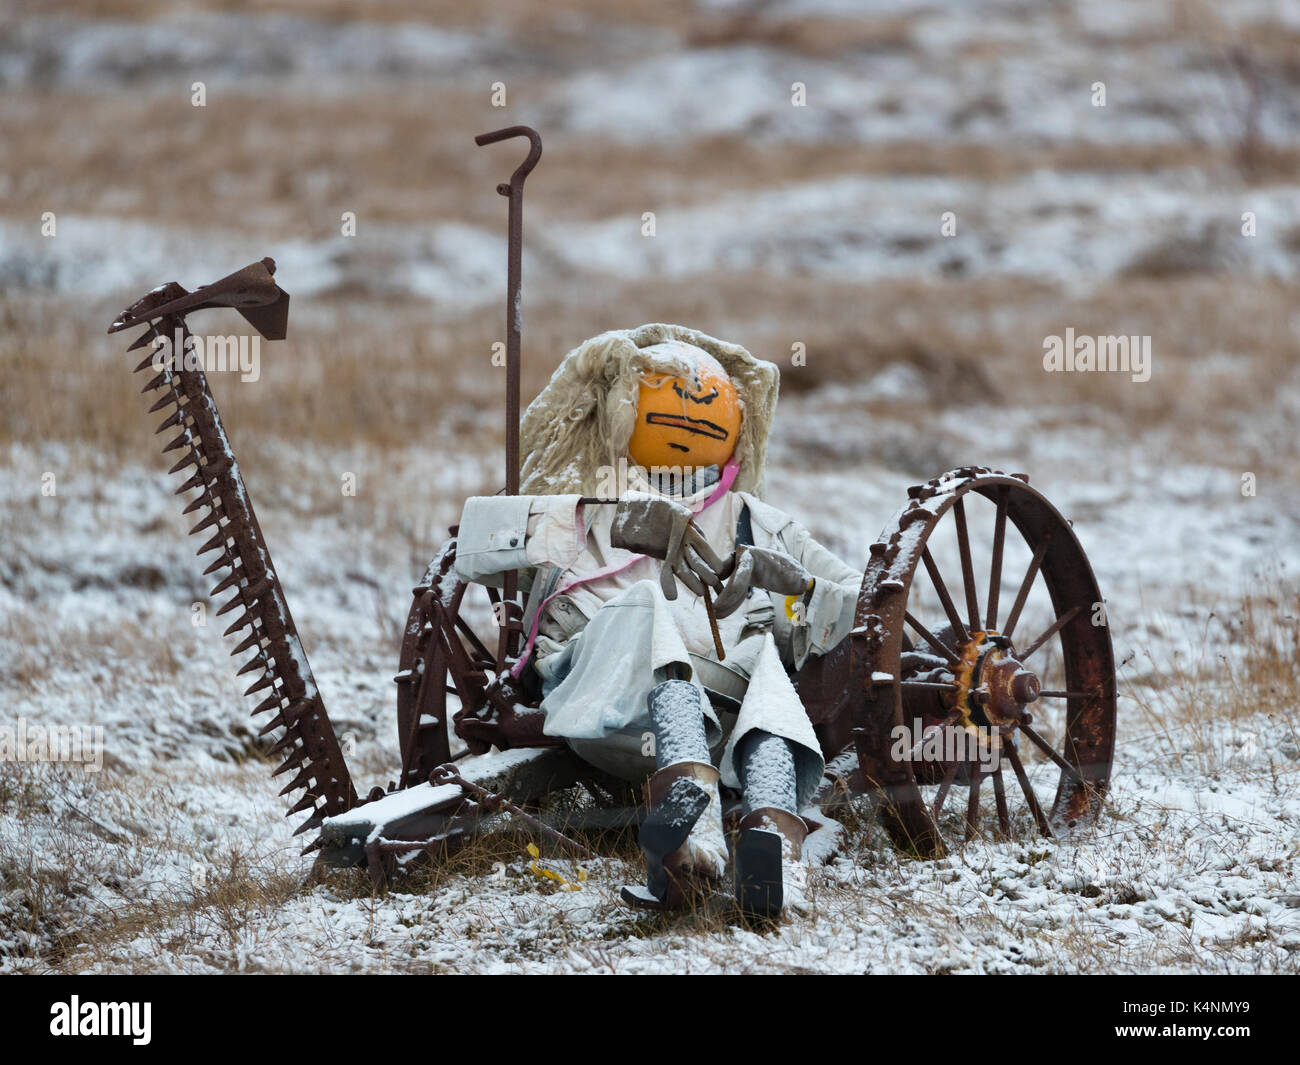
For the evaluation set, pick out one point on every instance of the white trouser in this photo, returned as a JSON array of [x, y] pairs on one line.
[[596, 688]]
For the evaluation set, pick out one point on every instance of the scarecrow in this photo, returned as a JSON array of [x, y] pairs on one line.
[[663, 622]]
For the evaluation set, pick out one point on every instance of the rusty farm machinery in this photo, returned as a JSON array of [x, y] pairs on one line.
[[924, 660]]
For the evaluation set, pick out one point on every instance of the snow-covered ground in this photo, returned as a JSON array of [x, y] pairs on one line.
[[1193, 865], [176, 857]]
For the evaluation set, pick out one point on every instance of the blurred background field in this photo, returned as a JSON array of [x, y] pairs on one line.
[[775, 226]]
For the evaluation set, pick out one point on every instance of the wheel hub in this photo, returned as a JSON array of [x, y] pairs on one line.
[[997, 684]]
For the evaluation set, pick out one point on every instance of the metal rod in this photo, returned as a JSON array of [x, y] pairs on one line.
[[1046, 748], [995, 566], [932, 568], [1025, 585], [514, 192], [967, 568], [1055, 627], [951, 719], [1028, 789], [973, 805], [953, 661], [944, 787], [1000, 797]]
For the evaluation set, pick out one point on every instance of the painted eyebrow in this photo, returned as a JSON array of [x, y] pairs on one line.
[[696, 399]]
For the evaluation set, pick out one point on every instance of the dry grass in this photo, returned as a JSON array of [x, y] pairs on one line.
[[87, 883], [37, 646], [427, 384], [1205, 706]]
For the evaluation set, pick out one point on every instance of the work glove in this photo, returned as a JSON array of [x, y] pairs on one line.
[[757, 567], [663, 529]]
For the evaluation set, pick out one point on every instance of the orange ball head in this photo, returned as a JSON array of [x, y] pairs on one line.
[[686, 421]]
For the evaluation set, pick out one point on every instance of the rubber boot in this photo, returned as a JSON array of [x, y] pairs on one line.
[[682, 836], [770, 874]]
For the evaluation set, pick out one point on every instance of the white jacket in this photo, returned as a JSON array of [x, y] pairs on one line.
[[563, 540]]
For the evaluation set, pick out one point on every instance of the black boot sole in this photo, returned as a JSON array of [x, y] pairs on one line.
[[759, 890], [663, 831]]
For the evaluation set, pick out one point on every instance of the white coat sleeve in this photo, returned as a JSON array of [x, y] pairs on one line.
[[499, 533], [828, 616]]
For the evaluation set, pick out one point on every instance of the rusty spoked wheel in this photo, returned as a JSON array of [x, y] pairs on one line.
[[422, 687], [441, 656], [1011, 667]]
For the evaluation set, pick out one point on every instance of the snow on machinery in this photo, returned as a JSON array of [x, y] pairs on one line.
[[963, 667]]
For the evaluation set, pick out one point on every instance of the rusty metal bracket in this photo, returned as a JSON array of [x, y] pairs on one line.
[[446, 774], [251, 291]]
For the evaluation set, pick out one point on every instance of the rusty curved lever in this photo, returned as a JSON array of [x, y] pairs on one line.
[[526, 167], [508, 640]]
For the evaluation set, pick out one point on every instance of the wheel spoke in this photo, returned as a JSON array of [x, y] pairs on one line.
[[951, 719], [1046, 748], [1025, 585], [944, 787], [932, 640], [995, 567], [464, 690], [1052, 630], [472, 636], [428, 700], [967, 569], [1025, 786], [1000, 795], [954, 619], [973, 805]]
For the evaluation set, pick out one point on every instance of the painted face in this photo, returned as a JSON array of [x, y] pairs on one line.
[[686, 421]]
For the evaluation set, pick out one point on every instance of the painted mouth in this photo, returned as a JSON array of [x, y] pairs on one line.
[[691, 425]]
